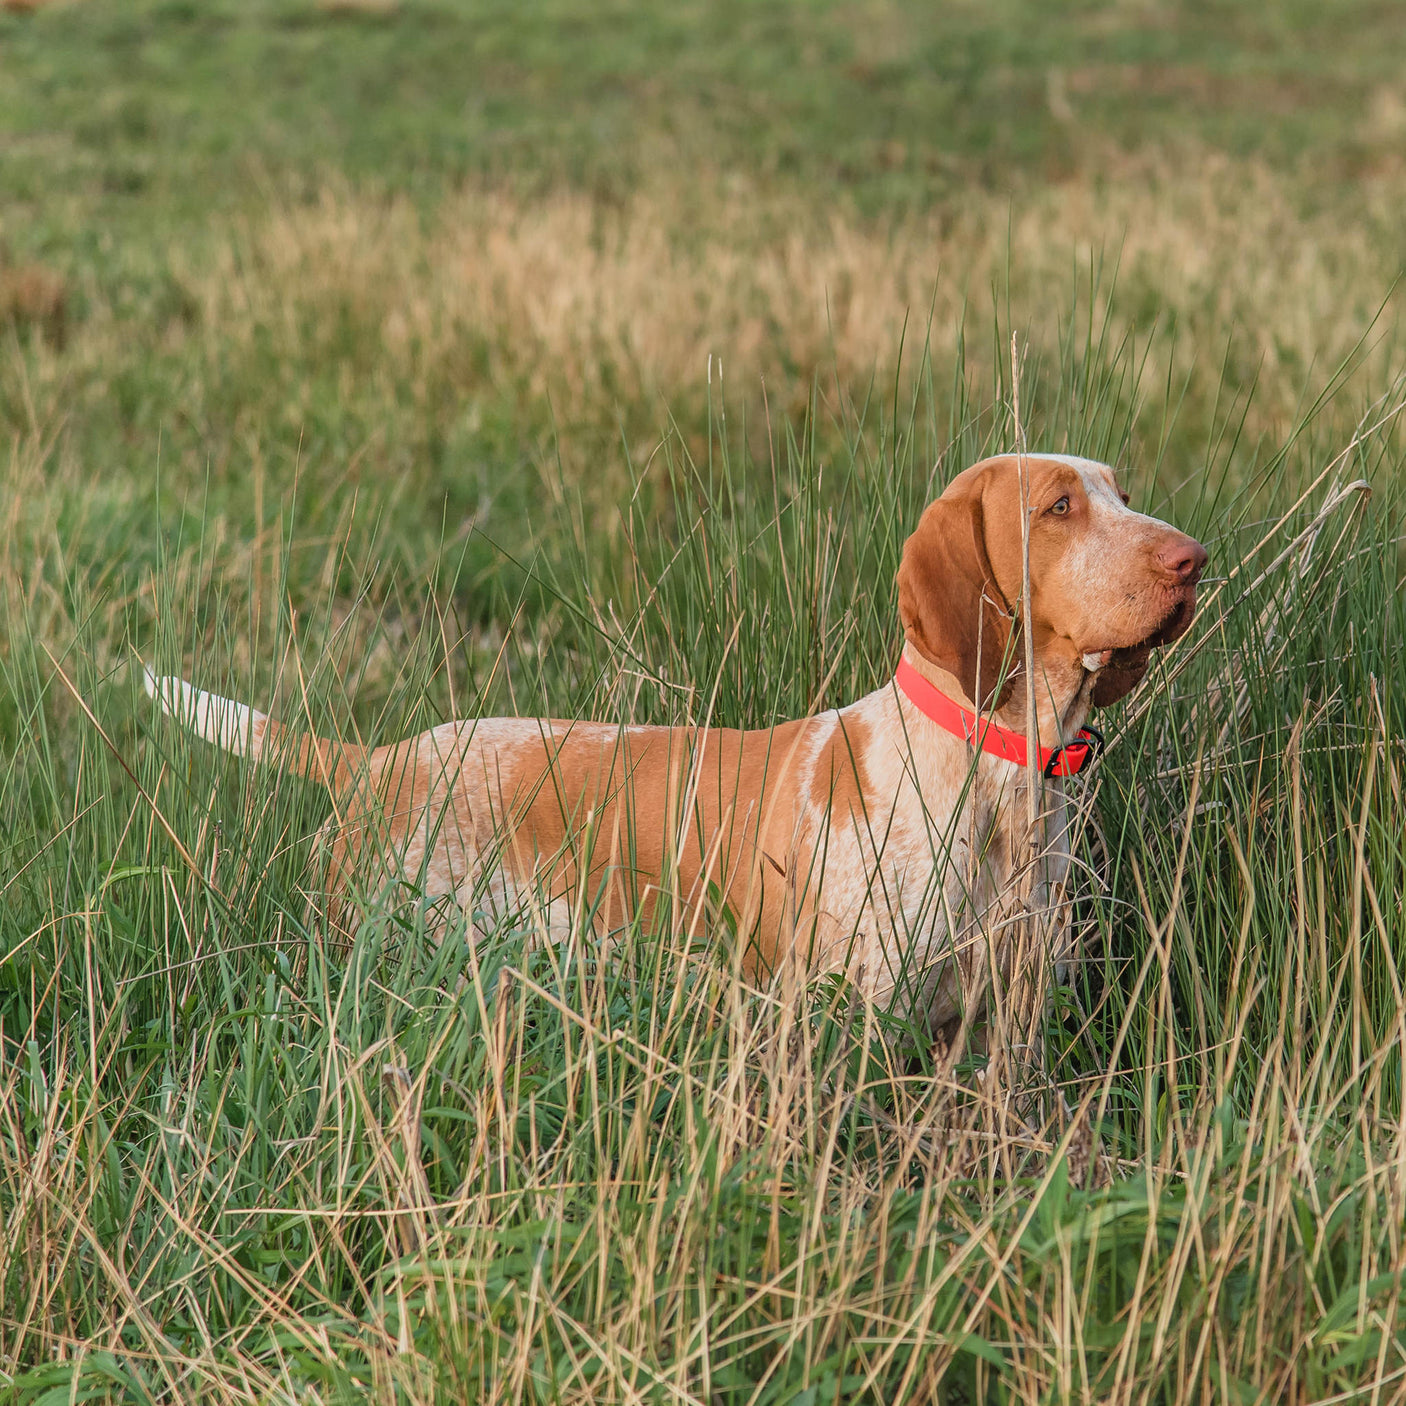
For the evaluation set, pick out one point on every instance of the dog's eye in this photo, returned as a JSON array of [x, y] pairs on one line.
[[1124, 497], [1060, 508]]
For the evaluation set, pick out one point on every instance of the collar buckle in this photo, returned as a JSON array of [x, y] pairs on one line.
[[1073, 757]]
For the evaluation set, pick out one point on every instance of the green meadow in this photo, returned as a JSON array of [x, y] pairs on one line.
[[380, 362]]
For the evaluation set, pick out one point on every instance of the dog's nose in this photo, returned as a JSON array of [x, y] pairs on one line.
[[1183, 560]]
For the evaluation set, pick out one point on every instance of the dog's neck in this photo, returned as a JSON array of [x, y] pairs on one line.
[[1061, 702]]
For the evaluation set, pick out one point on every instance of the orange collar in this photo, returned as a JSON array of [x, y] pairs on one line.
[[928, 699]]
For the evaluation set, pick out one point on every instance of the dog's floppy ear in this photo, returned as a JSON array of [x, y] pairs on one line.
[[952, 610], [1120, 675]]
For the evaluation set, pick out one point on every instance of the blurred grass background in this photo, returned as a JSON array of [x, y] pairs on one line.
[[381, 362], [454, 243]]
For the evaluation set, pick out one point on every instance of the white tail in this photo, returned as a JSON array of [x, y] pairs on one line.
[[245, 731], [234, 726]]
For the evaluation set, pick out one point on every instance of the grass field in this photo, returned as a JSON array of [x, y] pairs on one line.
[[384, 362]]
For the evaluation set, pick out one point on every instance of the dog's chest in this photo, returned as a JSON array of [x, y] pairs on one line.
[[937, 864]]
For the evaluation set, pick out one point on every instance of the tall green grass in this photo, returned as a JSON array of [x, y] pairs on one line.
[[238, 1162]]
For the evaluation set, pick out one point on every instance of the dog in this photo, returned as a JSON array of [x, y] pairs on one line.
[[885, 840]]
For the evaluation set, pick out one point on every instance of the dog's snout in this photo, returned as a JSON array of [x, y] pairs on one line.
[[1183, 559]]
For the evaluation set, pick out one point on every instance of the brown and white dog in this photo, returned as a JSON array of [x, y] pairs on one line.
[[874, 840]]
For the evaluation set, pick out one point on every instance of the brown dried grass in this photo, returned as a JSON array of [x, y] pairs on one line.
[[596, 305]]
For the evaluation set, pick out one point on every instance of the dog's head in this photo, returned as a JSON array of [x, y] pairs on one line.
[[1107, 585]]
